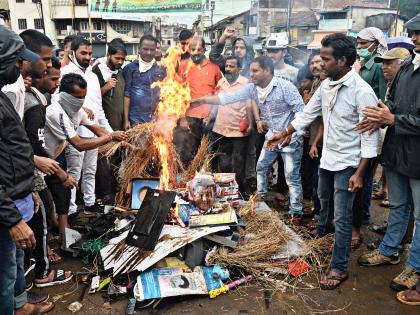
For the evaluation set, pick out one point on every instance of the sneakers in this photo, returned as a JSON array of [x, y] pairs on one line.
[[375, 258], [406, 280]]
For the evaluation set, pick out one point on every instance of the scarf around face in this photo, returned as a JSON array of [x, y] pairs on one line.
[[331, 88], [71, 105], [145, 66]]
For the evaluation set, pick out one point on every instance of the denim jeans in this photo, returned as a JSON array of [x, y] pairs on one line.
[[402, 193], [292, 156], [336, 184], [12, 278]]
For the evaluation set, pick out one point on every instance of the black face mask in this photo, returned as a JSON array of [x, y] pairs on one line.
[[11, 74]]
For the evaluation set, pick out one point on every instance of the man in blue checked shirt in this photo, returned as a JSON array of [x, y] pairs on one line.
[[278, 102]]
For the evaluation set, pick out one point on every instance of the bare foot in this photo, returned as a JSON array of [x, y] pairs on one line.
[[32, 309]]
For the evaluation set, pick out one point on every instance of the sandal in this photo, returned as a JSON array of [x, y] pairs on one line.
[[59, 278], [53, 257], [339, 278], [384, 203], [409, 297]]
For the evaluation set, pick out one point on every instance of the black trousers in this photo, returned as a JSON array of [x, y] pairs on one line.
[[233, 153], [38, 225], [107, 175], [187, 141]]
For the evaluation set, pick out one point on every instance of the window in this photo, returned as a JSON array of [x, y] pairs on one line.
[[84, 26], [38, 23], [80, 2], [20, 1], [22, 24], [97, 25], [122, 27]]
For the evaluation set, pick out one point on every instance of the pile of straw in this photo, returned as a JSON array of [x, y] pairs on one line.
[[265, 236], [144, 160]]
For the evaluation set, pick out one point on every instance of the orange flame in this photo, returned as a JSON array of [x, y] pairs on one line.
[[174, 102], [162, 147]]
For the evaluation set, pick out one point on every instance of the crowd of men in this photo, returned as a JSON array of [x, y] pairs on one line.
[[321, 124]]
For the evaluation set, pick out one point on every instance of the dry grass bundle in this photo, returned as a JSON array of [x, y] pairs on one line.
[[200, 160], [265, 237], [137, 136], [140, 162]]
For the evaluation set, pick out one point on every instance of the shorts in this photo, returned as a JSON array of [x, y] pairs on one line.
[[60, 194]]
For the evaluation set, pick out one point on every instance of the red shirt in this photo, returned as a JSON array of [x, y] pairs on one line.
[[202, 80]]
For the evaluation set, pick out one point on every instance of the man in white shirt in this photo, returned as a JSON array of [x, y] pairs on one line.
[[345, 157], [85, 163], [63, 118], [16, 91]]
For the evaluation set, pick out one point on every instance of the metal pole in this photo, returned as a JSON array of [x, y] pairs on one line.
[[42, 16], [289, 13], [396, 18], [41, 13]]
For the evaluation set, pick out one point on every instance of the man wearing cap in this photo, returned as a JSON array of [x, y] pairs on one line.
[[16, 181], [400, 156], [277, 50]]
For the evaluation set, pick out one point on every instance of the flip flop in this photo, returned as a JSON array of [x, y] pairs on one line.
[[59, 278], [407, 297], [338, 278]]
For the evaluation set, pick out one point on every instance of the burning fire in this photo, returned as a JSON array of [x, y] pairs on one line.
[[174, 101], [162, 147]]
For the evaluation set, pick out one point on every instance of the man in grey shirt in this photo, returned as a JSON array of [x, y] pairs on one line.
[[346, 153]]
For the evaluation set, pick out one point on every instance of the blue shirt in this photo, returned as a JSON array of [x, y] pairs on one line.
[[26, 207], [143, 98], [278, 109]]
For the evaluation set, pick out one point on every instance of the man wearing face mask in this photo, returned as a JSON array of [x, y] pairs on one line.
[[85, 163], [202, 77], [63, 118], [370, 44], [400, 157], [112, 83], [232, 125], [16, 181]]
